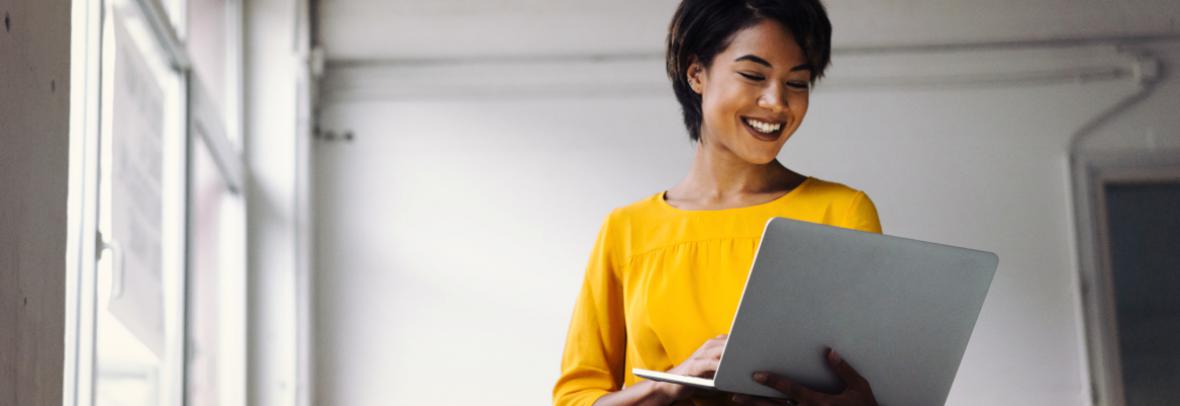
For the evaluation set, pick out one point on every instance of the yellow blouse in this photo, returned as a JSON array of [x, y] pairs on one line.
[[662, 280]]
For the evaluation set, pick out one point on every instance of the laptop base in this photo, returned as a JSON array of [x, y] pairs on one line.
[[696, 382]]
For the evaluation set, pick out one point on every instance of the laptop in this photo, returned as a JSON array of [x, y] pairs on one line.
[[900, 311]]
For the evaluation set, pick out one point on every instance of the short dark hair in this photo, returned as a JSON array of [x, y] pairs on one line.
[[701, 29]]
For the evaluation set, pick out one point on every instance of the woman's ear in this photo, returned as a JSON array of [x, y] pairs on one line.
[[695, 74]]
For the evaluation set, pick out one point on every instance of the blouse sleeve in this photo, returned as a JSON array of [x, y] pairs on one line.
[[862, 214], [593, 362]]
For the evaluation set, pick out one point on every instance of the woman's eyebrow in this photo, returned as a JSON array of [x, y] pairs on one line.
[[763, 62], [753, 59]]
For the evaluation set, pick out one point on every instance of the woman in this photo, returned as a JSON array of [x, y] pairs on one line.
[[666, 273]]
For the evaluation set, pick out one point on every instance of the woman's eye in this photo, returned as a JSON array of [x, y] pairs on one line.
[[751, 76], [799, 85]]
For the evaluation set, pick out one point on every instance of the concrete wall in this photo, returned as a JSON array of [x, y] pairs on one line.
[[34, 152], [454, 228]]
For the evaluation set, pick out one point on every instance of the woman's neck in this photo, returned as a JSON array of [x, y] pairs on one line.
[[721, 176]]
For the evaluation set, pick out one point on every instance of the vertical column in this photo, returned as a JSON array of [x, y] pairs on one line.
[[34, 174]]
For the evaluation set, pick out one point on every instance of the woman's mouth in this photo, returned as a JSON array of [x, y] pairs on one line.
[[763, 129]]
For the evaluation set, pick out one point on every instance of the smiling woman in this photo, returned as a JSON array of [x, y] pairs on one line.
[[667, 272], [694, 41], [743, 93]]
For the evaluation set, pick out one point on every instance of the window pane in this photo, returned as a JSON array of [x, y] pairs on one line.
[[138, 314], [216, 286], [207, 44], [216, 289], [175, 10]]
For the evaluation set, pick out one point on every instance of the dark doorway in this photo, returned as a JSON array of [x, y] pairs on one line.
[[1143, 220]]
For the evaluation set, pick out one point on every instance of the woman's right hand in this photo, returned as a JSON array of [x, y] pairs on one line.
[[702, 363]]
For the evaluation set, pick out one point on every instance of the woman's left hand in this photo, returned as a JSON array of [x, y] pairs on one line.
[[856, 389]]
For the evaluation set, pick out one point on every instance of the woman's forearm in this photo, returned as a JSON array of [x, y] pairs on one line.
[[646, 393]]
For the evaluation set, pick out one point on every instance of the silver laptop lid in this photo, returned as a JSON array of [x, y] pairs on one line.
[[900, 311]]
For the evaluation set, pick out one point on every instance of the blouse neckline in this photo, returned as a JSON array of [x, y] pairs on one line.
[[661, 200]]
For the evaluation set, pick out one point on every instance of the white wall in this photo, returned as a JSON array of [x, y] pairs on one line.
[[1148, 125], [408, 29], [453, 231], [452, 236]]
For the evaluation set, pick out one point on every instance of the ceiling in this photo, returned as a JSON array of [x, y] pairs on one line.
[[383, 30]]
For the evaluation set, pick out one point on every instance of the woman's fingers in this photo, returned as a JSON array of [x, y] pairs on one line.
[[714, 352], [856, 391], [845, 371], [704, 360], [712, 348], [793, 390]]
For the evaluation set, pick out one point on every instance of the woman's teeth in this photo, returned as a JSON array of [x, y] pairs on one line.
[[764, 127]]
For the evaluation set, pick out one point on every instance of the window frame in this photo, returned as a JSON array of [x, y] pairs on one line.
[[200, 124], [1092, 172]]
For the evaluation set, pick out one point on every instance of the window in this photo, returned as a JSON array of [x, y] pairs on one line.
[[138, 317], [156, 310], [216, 299]]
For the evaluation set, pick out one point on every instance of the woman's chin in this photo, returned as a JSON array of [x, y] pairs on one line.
[[762, 153], [760, 157]]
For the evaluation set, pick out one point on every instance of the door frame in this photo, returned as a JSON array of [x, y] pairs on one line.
[[1091, 172]]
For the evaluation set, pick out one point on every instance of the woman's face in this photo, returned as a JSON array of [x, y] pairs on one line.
[[754, 95]]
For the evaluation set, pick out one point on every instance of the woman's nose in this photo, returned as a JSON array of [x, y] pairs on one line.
[[772, 99]]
